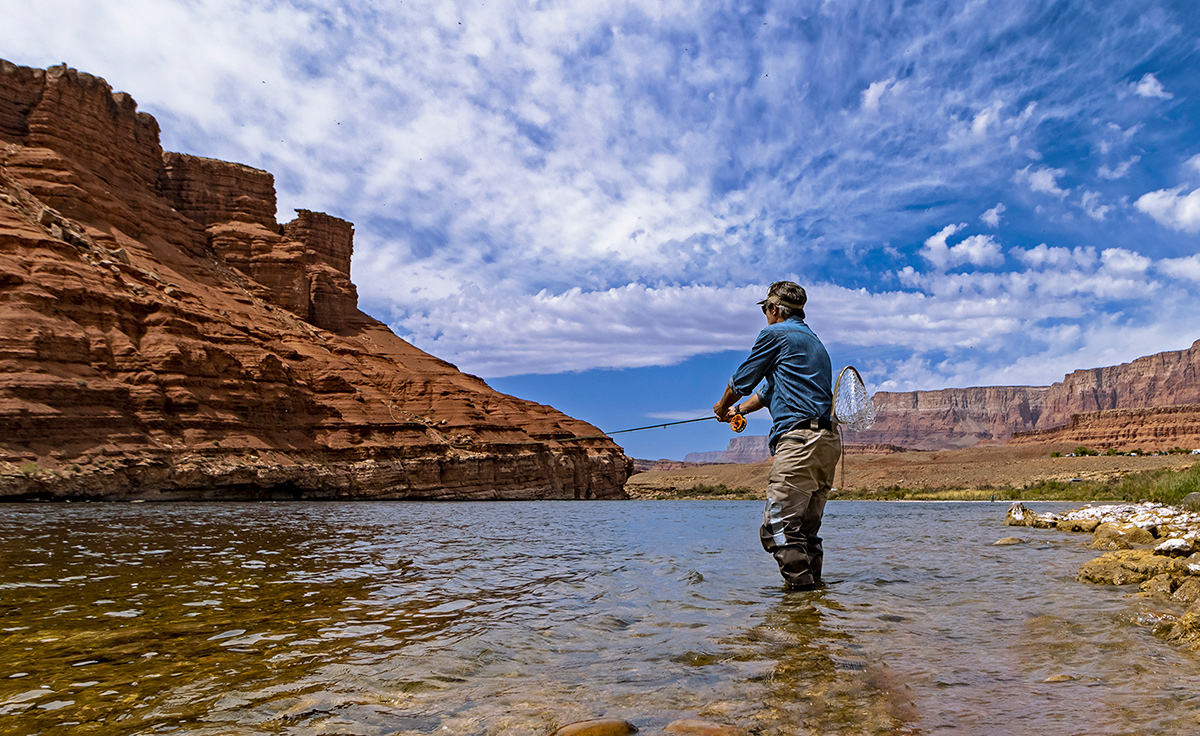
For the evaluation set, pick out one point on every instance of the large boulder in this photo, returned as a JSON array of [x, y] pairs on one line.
[[1125, 567], [1175, 547], [1120, 536]]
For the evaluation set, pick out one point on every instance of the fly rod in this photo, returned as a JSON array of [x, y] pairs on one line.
[[737, 423]]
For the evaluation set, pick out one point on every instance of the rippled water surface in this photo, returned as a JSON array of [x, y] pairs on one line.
[[516, 618]]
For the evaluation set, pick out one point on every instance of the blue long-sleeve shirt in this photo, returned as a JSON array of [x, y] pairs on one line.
[[796, 367]]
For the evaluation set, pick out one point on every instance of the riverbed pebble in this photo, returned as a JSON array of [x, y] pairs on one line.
[[701, 727], [597, 727]]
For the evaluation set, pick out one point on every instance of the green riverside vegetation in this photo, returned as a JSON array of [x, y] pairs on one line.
[[1160, 486]]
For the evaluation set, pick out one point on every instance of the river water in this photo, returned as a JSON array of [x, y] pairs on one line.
[[517, 618]]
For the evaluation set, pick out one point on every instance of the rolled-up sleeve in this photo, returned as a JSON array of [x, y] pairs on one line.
[[754, 369]]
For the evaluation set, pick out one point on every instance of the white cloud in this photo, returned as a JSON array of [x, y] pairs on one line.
[[1187, 268], [978, 250], [986, 119], [1090, 202], [991, 218], [1120, 171], [1043, 256], [872, 94], [1193, 163], [1043, 179], [1149, 86], [935, 249], [1172, 208]]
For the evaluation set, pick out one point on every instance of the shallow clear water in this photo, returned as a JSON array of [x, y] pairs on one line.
[[516, 618]]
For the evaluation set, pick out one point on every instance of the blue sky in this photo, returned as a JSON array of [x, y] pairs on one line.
[[582, 201]]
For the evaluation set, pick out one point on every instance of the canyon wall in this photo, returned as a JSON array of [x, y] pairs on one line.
[[1157, 428], [162, 337], [953, 418]]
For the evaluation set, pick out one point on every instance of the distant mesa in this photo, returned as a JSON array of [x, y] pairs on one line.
[[162, 337]]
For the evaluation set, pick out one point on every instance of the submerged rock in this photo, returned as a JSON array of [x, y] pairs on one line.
[[1008, 541], [701, 727], [1187, 629], [597, 727]]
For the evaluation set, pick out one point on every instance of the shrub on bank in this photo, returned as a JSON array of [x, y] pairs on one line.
[[1160, 486]]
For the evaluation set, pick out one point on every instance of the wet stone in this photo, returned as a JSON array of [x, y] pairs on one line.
[[1187, 628], [1059, 678], [597, 727], [1129, 534], [701, 727], [1188, 591], [1078, 525], [1175, 548], [1159, 586], [1126, 567], [1008, 541]]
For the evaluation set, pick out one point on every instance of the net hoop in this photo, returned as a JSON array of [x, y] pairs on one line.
[[852, 405]]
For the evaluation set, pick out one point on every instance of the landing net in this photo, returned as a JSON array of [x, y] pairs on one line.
[[852, 406]]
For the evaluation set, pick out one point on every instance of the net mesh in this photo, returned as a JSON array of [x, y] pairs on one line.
[[852, 406]]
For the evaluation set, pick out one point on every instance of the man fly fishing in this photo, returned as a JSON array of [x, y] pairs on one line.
[[798, 393]]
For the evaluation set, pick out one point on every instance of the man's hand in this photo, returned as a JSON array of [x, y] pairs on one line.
[[721, 408]]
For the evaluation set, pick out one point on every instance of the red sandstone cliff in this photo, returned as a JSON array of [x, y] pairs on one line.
[[1156, 428], [161, 336], [1163, 379], [951, 418]]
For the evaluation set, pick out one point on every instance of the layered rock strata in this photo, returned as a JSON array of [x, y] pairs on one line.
[[162, 337], [1157, 428], [1117, 406]]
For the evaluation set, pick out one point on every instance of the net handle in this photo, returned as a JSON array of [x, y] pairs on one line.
[[837, 385]]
